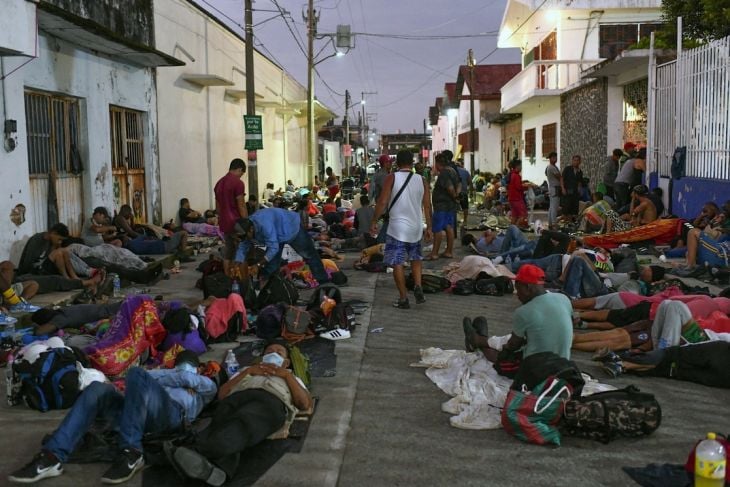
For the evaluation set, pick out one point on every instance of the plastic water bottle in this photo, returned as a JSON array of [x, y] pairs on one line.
[[236, 287], [9, 380], [231, 364], [710, 463], [117, 282], [508, 262], [517, 259]]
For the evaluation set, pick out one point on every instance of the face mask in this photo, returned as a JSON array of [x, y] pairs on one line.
[[273, 358], [187, 367]]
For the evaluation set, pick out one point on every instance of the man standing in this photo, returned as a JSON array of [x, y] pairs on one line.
[[156, 401], [543, 323], [230, 204], [405, 197], [445, 206], [555, 188], [376, 187], [466, 187], [609, 177], [274, 228], [572, 178]]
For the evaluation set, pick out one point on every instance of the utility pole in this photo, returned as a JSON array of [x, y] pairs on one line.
[[253, 173], [364, 124], [347, 131], [470, 62], [311, 141]]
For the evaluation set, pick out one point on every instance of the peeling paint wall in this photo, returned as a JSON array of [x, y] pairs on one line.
[[583, 129], [98, 82], [690, 194]]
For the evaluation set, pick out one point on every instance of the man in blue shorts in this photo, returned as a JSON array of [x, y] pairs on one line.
[[406, 200], [445, 206]]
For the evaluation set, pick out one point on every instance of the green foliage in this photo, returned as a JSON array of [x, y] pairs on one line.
[[702, 20]]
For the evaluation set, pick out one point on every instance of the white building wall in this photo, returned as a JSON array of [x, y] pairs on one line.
[[547, 112], [201, 128], [98, 82]]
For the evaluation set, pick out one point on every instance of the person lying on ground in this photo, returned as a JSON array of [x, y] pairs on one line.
[[707, 247], [705, 363], [187, 215], [46, 254], [15, 295], [542, 324], [156, 401], [98, 229], [644, 308], [256, 403], [49, 321], [274, 228]]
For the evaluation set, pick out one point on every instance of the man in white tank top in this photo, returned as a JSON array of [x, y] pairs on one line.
[[405, 198]]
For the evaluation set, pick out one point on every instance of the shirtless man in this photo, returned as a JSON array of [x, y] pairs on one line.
[[643, 210]]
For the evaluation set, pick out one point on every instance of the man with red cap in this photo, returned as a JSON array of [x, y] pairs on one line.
[[542, 324]]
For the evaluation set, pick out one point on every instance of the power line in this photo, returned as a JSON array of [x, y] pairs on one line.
[[286, 22]]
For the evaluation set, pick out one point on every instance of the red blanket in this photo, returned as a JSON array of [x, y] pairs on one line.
[[661, 232]]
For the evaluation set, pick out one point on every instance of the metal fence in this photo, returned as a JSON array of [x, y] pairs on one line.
[[698, 84]]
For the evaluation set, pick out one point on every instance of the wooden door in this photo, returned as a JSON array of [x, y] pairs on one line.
[[128, 167]]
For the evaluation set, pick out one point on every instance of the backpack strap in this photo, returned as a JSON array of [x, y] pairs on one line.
[[400, 191], [56, 383]]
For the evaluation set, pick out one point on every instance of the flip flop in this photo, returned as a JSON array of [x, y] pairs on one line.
[[444, 256]]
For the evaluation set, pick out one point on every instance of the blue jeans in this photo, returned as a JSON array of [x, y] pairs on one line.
[[581, 280], [552, 265], [303, 244], [515, 243], [144, 408]]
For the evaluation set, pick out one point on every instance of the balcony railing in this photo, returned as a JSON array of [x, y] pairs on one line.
[[543, 78]]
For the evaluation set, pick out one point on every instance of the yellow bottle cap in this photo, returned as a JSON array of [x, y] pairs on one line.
[[711, 436]]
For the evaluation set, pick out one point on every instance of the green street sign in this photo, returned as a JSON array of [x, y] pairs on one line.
[[254, 137]]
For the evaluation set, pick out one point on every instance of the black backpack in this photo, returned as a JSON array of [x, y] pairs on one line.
[[537, 367], [329, 290], [234, 329], [342, 316], [51, 382], [430, 283], [277, 290], [494, 286], [464, 287], [217, 285], [605, 416], [269, 320]]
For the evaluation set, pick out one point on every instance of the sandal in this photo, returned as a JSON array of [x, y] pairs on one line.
[[429, 258], [445, 256]]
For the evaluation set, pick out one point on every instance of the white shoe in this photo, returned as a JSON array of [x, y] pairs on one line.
[[336, 334]]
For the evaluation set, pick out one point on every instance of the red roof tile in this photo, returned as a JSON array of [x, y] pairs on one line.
[[488, 78]]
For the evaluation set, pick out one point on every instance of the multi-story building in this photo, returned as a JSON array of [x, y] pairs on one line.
[[560, 40]]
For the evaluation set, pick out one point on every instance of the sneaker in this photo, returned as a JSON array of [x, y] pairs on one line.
[[336, 334], [7, 320], [23, 307], [480, 326], [43, 466], [196, 466], [401, 304], [127, 464], [418, 293], [613, 369], [688, 271]]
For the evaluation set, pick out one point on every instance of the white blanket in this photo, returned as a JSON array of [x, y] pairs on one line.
[[478, 391]]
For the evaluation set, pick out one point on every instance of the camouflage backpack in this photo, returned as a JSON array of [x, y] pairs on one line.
[[605, 416]]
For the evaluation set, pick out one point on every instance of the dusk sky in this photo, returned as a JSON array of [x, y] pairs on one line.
[[407, 74]]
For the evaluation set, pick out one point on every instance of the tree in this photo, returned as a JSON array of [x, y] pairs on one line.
[[702, 20]]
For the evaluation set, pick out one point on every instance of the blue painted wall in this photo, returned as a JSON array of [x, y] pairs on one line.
[[689, 194]]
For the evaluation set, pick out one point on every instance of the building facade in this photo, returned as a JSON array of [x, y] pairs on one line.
[[80, 124]]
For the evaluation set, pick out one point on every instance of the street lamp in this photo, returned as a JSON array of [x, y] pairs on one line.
[[471, 63]]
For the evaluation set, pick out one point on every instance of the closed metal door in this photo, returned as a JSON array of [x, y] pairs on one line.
[[128, 168]]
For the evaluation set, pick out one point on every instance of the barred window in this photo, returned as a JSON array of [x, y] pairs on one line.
[[127, 138], [549, 139], [615, 38], [530, 143], [52, 125]]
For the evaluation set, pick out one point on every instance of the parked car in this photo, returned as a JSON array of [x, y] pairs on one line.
[[373, 168]]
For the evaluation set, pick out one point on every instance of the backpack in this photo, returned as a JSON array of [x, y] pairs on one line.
[[430, 283], [464, 287], [268, 321], [342, 316], [233, 330], [537, 367], [277, 290], [605, 416], [296, 320], [329, 290], [217, 285], [51, 382], [494, 286]]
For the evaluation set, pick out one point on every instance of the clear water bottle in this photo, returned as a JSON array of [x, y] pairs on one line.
[[117, 283], [508, 262], [517, 259], [710, 463], [236, 287], [231, 364]]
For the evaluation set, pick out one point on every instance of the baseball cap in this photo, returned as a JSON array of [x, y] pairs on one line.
[[384, 158], [641, 189], [530, 274], [629, 146]]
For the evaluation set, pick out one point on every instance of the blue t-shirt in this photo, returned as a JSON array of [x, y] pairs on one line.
[[492, 248], [465, 177], [546, 323]]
